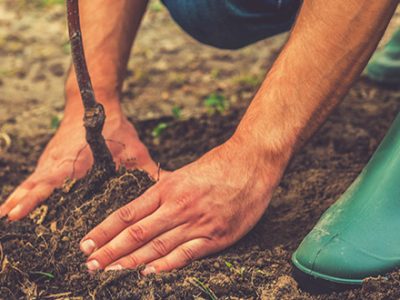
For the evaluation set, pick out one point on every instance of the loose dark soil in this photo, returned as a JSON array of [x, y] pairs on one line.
[[40, 257]]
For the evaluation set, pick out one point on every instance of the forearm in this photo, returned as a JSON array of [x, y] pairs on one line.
[[329, 46], [108, 29]]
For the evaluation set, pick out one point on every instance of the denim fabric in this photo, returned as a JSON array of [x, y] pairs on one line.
[[232, 24]]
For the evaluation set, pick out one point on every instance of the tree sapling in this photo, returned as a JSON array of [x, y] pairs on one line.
[[94, 114]]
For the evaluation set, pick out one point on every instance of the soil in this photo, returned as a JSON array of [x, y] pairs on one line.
[[40, 255]]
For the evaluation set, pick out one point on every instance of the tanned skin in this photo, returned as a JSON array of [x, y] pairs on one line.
[[211, 203]]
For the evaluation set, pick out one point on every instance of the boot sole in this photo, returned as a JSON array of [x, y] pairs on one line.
[[318, 283]]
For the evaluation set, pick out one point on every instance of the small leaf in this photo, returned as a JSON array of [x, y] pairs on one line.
[[204, 288], [55, 122], [159, 129], [215, 103], [156, 6], [228, 264], [177, 112], [49, 275]]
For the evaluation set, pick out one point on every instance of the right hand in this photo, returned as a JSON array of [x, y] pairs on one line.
[[68, 155]]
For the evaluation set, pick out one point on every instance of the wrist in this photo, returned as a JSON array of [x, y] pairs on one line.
[[242, 161], [74, 110], [270, 148], [106, 90], [267, 164]]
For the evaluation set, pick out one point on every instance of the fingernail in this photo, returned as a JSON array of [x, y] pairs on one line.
[[88, 246], [15, 212], [93, 265], [148, 270], [116, 267]]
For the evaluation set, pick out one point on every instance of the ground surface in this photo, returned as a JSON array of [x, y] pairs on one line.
[[49, 266]]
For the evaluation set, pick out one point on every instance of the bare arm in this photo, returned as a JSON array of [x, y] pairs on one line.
[[329, 46], [109, 28]]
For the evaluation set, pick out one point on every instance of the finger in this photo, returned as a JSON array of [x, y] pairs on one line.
[[119, 220], [12, 201], [153, 250], [17, 195], [40, 193], [37, 179], [181, 256], [132, 238]]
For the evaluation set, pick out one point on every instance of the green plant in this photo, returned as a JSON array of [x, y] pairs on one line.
[[251, 81], [48, 275], [55, 122], [66, 47], [155, 6], [215, 103], [159, 129], [204, 288], [177, 112], [239, 271], [51, 2]]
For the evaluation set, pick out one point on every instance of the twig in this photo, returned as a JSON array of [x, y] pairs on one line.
[[94, 116], [58, 296]]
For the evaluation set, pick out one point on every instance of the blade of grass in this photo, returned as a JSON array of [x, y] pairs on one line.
[[204, 288], [48, 275]]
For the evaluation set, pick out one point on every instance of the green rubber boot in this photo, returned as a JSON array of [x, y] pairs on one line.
[[384, 66], [359, 235]]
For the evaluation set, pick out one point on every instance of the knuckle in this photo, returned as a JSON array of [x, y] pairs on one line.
[[188, 254], [28, 184], [184, 201], [132, 261], [126, 214], [136, 234], [160, 247], [218, 229], [100, 234], [107, 254]]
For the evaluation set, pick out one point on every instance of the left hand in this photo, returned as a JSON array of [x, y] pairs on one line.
[[197, 210]]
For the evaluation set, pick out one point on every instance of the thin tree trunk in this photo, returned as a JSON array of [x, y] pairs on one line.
[[94, 116]]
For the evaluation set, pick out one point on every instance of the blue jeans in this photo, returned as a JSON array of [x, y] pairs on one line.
[[232, 24]]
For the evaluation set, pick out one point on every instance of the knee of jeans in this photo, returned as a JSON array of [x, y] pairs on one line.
[[210, 22]]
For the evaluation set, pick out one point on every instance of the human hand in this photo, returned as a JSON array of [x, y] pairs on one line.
[[197, 210], [68, 155]]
